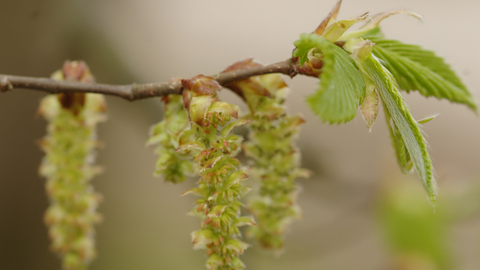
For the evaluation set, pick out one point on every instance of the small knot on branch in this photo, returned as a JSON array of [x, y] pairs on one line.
[[5, 84]]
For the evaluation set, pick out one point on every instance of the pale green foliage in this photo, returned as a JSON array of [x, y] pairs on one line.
[[406, 134], [427, 119], [370, 28], [173, 166], [343, 89], [68, 167], [417, 69], [356, 69], [341, 86], [401, 152], [336, 29], [374, 33], [221, 174]]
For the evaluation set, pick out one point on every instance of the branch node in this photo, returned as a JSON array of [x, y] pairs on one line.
[[5, 84]]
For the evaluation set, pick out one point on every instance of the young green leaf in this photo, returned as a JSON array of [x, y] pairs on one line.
[[374, 33], [341, 85], [337, 28], [417, 69], [374, 22], [401, 152], [427, 119], [405, 127], [331, 17]]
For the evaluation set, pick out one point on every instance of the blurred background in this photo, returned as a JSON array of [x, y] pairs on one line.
[[358, 209]]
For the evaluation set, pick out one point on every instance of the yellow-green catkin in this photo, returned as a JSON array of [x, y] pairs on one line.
[[172, 165], [221, 175], [68, 168], [275, 158]]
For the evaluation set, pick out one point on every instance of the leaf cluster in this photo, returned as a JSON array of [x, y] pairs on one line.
[[359, 68]]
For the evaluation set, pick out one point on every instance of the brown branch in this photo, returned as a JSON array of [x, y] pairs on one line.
[[138, 91]]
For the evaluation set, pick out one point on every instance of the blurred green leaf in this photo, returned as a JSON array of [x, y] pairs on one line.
[[416, 235]]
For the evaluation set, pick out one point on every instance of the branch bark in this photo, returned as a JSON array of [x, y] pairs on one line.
[[133, 92]]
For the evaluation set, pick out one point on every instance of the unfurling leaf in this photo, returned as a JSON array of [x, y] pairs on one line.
[[341, 85], [405, 129], [374, 22], [332, 16], [336, 29], [417, 69]]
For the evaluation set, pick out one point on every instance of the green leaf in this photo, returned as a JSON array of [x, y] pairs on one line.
[[374, 33], [405, 133], [337, 28], [401, 152], [341, 85], [417, 69], [427, 119], [375, 21]]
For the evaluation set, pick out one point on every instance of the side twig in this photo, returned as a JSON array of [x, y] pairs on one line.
[[139, 91]]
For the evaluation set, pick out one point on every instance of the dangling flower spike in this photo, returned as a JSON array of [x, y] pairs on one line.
[[275, 157], [68, 167], [221, 174], [172, 165]]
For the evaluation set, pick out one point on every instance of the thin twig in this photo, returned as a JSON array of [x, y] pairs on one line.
[[137, 91]]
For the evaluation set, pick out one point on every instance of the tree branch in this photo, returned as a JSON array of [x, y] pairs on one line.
[[132, 92]]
